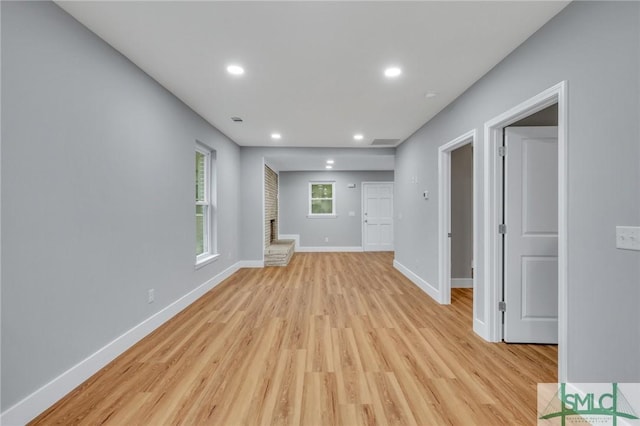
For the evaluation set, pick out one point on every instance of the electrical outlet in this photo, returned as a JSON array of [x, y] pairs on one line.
[[151, 295], [326, 239], [628, 237]]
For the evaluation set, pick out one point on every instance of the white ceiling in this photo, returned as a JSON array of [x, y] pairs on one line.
[[314, 70]]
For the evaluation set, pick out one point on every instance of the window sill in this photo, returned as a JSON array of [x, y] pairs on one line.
[[206, 260], [322, 216]]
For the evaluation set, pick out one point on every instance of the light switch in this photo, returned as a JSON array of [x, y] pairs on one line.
[[628, 237]]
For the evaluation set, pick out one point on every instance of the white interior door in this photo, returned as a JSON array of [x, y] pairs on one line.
[[377, 211], [531, 239]]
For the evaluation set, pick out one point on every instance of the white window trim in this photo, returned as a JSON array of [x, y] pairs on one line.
[[333, 198], [210, 254], [204, 261]]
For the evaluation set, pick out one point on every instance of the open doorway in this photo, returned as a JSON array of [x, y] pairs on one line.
[[498, 202], [461, 235], [457, 228], [462, 217]]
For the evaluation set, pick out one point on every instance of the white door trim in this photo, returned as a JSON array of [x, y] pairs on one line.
[[362, 218], [444, 213], [493, 208]]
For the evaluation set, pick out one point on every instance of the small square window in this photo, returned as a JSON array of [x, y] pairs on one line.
[[322, 200]]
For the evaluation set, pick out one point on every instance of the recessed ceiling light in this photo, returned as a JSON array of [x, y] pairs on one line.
[[330, 161], [328, 167], [276, 135], [358, 137], [392, 72], [430, 95], [235, 70]]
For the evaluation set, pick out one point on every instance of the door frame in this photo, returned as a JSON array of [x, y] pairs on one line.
[[444, 215], [493, 245], [362, 218]]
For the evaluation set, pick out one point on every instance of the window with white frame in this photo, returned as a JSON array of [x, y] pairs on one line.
[[322, 199], [205, 204]]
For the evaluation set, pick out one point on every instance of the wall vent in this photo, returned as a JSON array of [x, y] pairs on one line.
[[385, 142]]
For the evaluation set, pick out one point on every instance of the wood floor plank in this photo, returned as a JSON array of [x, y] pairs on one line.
[[332, 339]]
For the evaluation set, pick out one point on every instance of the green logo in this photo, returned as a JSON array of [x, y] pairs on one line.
[[593, 407]]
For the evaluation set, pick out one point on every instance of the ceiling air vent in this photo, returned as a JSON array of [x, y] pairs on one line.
[[236, 119], [385, 142]]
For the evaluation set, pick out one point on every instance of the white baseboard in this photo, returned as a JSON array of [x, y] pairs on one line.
[[34, 404], [461, 282], [250, 264], [295, 237], [328, 249], [480, 328], [422, 284]]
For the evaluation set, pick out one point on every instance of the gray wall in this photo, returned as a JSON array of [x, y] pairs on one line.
[[461, 211], [97, 196], [595, 46], [252, 188], [344, 230]]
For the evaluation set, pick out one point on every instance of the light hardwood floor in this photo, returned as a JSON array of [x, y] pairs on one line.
[[332, 339]]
